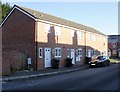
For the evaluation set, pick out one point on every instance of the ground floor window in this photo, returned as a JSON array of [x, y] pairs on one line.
[[94, 52], [40, 52], [86, 52], [57, 52], [68, 52], [89, 54], [79, 52]]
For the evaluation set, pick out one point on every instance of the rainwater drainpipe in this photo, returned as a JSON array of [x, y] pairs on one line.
[[85, 43], [36, 44]]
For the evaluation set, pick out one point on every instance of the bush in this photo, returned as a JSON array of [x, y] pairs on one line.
[[87, 59], [55, 63], [68, 62]]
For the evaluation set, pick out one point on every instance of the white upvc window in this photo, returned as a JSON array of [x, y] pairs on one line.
[[94, 37], [57, 30], [79, 34], [68, 52], [47, 28], [89, 36], [72, 33], [86, 52], [100, 38], [79, 52], [89, 52], [40, 52], [104, 38], [57, 52], [94, 52]]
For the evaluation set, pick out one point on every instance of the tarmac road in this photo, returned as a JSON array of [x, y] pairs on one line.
[[102, 78]]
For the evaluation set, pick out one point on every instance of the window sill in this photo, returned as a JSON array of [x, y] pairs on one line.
[[57, 56], [40, 57]]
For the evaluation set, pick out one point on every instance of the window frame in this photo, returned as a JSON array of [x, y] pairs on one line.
[[89, 36], [40, 55], [79, 34], [94, 52], [58, 30], [104, 38], [94, 37], [68, 52], [100, 38], [58, 53], [79, 52], [72, 32], [46, 28]]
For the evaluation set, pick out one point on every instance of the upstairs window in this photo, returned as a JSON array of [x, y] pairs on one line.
[[100, 38], [47, 28], [94, 37], [104, 38], [89, 36], [72, 33], [79, 34], [57, 30]]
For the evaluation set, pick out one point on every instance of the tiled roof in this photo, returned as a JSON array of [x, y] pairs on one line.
[[51, 18]]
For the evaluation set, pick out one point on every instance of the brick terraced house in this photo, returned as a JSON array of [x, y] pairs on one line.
[[33, 37], [114, 46]]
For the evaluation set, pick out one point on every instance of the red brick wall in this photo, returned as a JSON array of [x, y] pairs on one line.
[[10, 62], [116, 49], [18, 33], [66, 41]]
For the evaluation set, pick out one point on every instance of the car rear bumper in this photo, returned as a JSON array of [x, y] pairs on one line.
[[96, 64]]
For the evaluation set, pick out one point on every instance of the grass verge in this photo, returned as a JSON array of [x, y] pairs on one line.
[[114, 60]]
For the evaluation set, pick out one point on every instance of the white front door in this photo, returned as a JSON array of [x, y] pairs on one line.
[[73, 56], [47, 57]]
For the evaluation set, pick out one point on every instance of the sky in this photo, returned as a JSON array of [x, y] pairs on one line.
[[102, 16]]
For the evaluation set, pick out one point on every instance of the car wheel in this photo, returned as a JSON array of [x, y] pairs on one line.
[[108, 63], [104, 64]]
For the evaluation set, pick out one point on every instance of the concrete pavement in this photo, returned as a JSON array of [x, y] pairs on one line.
[[38, 73]]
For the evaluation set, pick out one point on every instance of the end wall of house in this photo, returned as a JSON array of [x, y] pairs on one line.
[[18, 34]]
